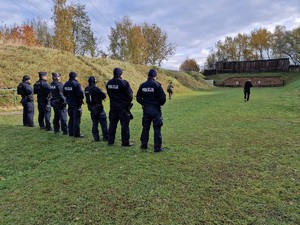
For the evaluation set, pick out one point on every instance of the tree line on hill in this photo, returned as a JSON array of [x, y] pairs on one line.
[[259, 45], [143, 44]]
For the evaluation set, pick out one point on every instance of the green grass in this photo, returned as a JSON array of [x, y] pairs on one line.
[[226, 162]]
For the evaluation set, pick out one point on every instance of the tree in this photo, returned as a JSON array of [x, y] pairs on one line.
[[226, 51], [43, 32], [158, 47], [145, 44], [211, 60], [244, 51], [261, 41], [137, 46], [278, 42], [18, 35], [119, 39], [292, 48], [189, 65], [63, 26], [84, 40]]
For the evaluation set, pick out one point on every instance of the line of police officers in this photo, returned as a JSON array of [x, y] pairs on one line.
[[150, 95]]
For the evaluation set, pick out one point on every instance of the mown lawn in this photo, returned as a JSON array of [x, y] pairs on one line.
[[226, 162]]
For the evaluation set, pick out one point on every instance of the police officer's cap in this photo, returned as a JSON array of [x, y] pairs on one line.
[[118, 72], [92, 80], [72, 75], [42, 74], [25, 78], [55, 75], [152, 73]]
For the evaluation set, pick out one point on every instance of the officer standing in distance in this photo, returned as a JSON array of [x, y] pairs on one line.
[[247, 87], [170, 90], [94, 97], [151, 96], [42, 89], [25, 90], [74, 96], [120, 94], [58, 102]]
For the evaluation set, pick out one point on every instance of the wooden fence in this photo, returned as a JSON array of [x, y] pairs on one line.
[[271, 65]]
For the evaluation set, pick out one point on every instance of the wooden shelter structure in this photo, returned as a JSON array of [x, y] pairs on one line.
[[255, 66]]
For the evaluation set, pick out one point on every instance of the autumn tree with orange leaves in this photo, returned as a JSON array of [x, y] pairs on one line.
[[189, 65], [18, 35], [260, 44]]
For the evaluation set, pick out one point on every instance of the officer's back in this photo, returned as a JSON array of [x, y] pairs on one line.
[[73, 92], [56, 87], [42, 88], [25, 90], [119, 90], [151, 93], [94, 95], [248, 85]]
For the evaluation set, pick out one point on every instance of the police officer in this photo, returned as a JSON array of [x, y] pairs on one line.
[[58, 102], [25, 90], [74, 96], [120, 94], [170, 90], [42, 89], [151, 96], [247, 87], [94, 97]]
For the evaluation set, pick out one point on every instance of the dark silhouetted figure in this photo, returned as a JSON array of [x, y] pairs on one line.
[[170, 90], [74, 96], [25, 90], [151, 96], [247, 87], [58, 102], [94, 97], [42, 90], [120, 95]]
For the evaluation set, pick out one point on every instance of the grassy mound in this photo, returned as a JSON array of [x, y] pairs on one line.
[[17, 61]]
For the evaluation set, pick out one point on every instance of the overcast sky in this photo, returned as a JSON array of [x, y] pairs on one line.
[[193, 25]]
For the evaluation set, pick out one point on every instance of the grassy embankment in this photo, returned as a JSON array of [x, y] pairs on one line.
[[227, 162], [18, 61]]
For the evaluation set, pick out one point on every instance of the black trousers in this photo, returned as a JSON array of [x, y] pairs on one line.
[[60, 119], [28, 113], [44, 115], [170, 93], [246, 95], [98, 115], [117, 114], [74, 121], [152, 115]]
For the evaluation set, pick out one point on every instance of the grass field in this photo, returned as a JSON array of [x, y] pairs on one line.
[[226, 162]]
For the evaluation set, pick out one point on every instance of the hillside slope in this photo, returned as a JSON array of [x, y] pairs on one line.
[[15, 61]]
